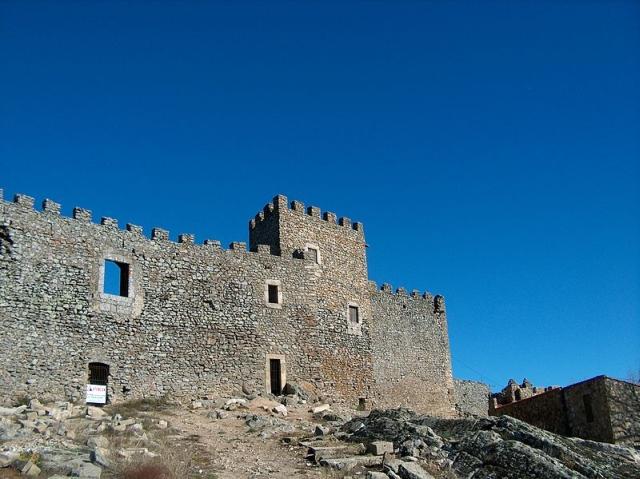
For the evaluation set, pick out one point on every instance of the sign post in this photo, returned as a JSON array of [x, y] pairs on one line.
[[96, 394]]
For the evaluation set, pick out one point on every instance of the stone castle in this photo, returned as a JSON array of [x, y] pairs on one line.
[[191, 320], [601, 409]]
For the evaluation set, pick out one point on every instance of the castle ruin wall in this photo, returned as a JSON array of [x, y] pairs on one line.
[[195, 319]]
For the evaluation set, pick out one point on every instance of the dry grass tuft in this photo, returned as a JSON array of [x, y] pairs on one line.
[[148, 471], [171, 463], [136, 406]]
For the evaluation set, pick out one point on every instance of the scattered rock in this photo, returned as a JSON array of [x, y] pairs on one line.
[[30, 469], [12, 411], [280, 409], [321, 408], [40, 427], [137, 428], [412, 470], [247, 389], [99, 457], [294, 389], [319, 452], [289, 400], [7, 458], [96, 412], [136, 452], [353, 426], [376, 475], [392, 465], [9, 429], [84, 469], [262, 403], [218, 414], [493, 447], [378, 448], [348, 463], [97, 441], [333, 417], [321, 430]]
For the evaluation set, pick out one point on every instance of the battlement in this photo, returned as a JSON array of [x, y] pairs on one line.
[[52, 208], [401, 294], [280, 204]]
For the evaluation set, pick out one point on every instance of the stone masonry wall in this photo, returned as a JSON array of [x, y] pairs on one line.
[[544, 410], [472, 397], [410, 344], [196, 320], [598, 426], [599, 409], [624, 410]]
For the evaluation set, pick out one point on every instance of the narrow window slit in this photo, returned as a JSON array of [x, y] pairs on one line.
[[588, 407], [354, 314], [273, 293]]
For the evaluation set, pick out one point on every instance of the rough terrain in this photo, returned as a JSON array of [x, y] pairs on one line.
[[260, 437]]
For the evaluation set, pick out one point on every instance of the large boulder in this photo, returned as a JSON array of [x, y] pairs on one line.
[[496, 447], [303, 390]]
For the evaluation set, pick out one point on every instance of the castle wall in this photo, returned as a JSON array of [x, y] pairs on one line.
[[472, 397], [410, 345], [600, 409], [196, 321], [593, 424], [545, 410], [624, 410], [193, 320]]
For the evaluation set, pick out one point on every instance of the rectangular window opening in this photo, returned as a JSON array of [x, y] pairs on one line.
[[354, 314], [116, 278], [273, 294], [588, 407]]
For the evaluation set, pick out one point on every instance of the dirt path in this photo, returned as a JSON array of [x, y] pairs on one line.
[[228, 448]]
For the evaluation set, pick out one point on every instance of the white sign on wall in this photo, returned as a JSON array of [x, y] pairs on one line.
[[96, 393]]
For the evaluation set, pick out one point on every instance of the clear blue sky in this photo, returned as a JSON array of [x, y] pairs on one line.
[[491, 149]]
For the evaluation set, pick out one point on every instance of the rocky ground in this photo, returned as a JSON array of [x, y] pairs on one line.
[[292, 436]]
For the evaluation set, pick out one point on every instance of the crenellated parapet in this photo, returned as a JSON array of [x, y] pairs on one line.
[[401, 293], [280, 204], [51, 209]]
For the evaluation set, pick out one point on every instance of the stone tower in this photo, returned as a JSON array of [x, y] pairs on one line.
[[336, 246]]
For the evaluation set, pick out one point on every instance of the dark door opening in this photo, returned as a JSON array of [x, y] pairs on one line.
[[274, 370], [98, 373]]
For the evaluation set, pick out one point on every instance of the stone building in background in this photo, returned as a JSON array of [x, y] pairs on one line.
[[600, 409], [190, 320], [472, 397]]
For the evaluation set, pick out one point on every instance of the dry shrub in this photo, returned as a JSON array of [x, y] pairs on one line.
[[148, 471], [173, 462], [136, 406]]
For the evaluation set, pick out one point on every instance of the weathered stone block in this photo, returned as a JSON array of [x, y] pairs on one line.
[[378, 448]]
